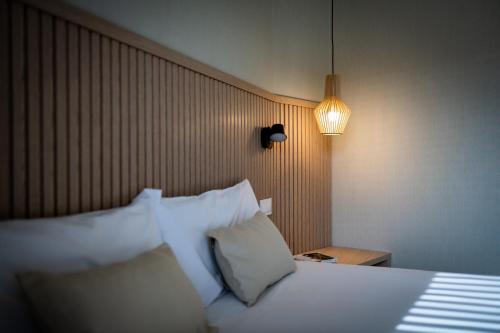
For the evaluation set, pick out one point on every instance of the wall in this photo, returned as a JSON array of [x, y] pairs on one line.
[[277, 45], [301, 48], [417, 171]]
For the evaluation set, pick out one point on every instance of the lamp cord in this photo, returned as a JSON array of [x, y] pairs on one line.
[[333, 46]]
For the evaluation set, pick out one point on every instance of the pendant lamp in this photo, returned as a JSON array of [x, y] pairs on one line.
[[331, 114]]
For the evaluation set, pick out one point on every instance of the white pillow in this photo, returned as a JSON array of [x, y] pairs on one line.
[[184, 222], [71, 243]]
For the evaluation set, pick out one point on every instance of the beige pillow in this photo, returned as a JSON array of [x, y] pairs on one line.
[[149, 293], [251, 256]]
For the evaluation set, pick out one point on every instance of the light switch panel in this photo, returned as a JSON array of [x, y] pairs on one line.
[[266, 206]]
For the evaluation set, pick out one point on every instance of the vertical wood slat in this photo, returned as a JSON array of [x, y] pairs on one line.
[[155, 89], [297, 178], [268, 157], [85, 112], [106, 122], [314, 196], [19, 146], [190, 137], [199, 133], [227, 118], [169, 128], [288, 183], [279, 175], [187, 166], [33, 113], [269, 161], [301, 174], [182, 111], [260, 154], [73, 120], [203, 110], [141, 133], [124, 194], [294, 157], [148, 92], [293, 178], [89, 121], [48, 115], [218, 134], [174, 90], [224, 139], [5, 114], [163, 124], [307, 179], [253, 140], [61, 118], [241, 133], [133, 121], [96, 121], [115, 124], [245, 133], [275, 173], [317, 180], [233, 134], [230, 134]]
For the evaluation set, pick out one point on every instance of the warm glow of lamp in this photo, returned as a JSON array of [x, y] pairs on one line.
[[332, 114]]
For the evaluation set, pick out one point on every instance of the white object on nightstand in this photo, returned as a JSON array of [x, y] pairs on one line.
[[266, 206]]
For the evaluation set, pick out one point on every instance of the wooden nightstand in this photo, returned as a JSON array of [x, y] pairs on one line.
[[346, 255]]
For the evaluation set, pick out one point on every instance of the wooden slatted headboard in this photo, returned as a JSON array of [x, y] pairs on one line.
[[90, 114]]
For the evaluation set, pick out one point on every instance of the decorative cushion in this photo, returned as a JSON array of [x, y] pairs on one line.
[[251, 256], [147, 294]]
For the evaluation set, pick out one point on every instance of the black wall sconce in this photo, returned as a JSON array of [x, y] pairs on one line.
[[275, 133]]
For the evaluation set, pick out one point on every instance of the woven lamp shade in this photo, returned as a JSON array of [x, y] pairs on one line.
[[331, 114]]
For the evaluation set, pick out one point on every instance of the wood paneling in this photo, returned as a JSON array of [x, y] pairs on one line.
[[91, 114]]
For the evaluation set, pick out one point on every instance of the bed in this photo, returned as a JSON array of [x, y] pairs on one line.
[[323, 297], [306, 297]]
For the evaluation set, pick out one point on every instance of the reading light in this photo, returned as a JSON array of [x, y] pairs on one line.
[[275, 133], [331, 114]]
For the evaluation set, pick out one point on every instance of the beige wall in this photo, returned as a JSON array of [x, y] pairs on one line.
[[417, 171], [277, 45]]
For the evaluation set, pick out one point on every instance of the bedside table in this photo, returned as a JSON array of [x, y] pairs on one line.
[[351, 256]]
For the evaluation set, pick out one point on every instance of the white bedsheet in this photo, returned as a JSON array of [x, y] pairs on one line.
[[321, 297]]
